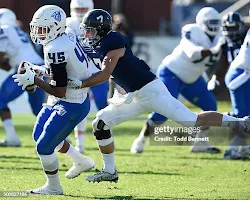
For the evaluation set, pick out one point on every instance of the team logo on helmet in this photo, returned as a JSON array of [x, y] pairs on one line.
[[57, 16]]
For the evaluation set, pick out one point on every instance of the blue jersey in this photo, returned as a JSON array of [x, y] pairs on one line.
[[232, 48], [130, 73]]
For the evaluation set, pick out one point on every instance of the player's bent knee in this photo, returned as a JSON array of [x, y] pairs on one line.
[[43, 149], [102, 132], [99, 124]]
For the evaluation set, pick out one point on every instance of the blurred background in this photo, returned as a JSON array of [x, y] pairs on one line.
[[153, 26]]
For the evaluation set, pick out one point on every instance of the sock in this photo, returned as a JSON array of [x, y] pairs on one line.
[[50, 164], [236, 142], [9, 129], [109, 163], [53, 180], [142, 136], [79, 140], [74, 155], [229, 121]]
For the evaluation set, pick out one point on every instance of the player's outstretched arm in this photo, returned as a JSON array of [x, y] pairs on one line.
[[108, 65]]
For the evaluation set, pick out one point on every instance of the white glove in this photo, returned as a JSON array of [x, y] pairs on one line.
[[26, 79], [74, 83], [212, 83], [39, 70], [216, 49]]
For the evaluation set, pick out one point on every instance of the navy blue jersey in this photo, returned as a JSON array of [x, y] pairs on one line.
[[232, 48], [130, 73]]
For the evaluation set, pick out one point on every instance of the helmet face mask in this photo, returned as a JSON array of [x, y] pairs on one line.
[[90, 36], [47, 24], [95, 25], [209, 21], [233, 26]]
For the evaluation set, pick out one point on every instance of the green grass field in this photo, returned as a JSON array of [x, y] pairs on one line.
[[161, 172]]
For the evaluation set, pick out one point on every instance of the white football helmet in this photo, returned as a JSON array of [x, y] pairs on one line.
[[209, 20], [7, 17], [47, 24], [78, 8]]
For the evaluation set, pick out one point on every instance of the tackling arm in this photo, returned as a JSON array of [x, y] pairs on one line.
[[108, 65]]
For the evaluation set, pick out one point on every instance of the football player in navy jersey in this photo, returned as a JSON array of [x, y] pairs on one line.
[[145, 92], [233, 29]]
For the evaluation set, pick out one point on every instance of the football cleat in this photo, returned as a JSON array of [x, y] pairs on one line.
[[233, 154], [204, 147], [77, 168], [138, 146], [47, 190], [13, 143], [103, 176]]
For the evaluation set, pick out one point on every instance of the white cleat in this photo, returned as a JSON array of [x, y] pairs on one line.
[[80, 148], [204, 147], [138, 145], [77, 168], [47, 190], [15, 142]]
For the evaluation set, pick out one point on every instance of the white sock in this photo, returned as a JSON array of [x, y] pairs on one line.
[[229, 121], [53, 180], [109, 163], [9, 129], [74, 155], [79, 140]]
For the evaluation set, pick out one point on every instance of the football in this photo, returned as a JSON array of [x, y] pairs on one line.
[[21, 70]]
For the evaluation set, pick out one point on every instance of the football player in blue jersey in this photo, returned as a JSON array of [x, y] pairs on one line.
[[15, 46], [145, 92], [234, 31]]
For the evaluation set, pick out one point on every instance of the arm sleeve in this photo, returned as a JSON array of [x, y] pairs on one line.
[[56, 59], [58, 74]]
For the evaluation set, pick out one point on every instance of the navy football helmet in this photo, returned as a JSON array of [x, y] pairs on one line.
[[96, 24], [233, 26]]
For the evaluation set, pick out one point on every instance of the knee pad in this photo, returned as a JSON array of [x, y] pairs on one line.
[[99, 124], [102, 132], [49, 162]]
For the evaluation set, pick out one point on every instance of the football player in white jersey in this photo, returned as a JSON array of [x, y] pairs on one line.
[[15, 46], [181, 72], [65, 57], [78, 8]]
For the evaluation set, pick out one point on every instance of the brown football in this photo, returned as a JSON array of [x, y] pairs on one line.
[[30, 88]]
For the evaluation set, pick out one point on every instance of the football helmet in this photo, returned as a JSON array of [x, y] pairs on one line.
[[233, 25], [209, 21], [95, 25], [78, 8], [7, 17], [47, 24]]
